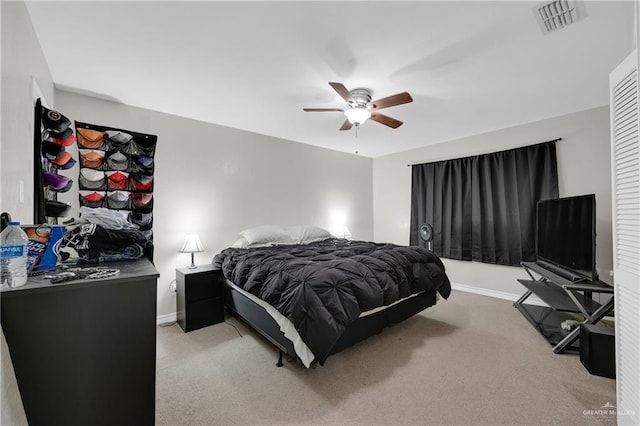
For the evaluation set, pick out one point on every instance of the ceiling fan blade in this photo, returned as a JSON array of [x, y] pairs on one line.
[[342, 91], [346, 125], [397, 99], [322, 109], [386, 120]]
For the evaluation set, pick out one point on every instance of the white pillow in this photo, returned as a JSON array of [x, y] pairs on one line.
[[305, 234], [266, 234], [243, 244], [240, 243]]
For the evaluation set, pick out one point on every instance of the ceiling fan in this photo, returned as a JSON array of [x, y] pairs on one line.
[[362, 108]]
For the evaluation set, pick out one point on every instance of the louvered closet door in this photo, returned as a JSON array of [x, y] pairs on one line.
[[626, 235]]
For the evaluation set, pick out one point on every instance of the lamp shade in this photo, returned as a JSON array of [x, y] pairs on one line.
[[344, 232], [357, 115], [191, 244]]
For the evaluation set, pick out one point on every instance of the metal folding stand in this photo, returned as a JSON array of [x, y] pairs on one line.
[[565, 299]]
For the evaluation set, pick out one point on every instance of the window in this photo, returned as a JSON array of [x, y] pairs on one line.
[[482, 208]]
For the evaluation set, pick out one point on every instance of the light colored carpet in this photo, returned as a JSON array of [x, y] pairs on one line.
[[470, 360]]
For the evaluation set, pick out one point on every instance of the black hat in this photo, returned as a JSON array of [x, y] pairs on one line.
[[55, 208], [54, 121], [52, 150]]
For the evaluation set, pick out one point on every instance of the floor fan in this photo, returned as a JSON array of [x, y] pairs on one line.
[[426, 235]]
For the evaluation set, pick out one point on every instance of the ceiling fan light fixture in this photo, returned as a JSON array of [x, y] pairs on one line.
[[361, 108], [357, 115]]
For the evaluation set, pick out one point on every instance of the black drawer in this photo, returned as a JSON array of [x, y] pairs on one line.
[[200, 284], [203, 286], [204, 313]]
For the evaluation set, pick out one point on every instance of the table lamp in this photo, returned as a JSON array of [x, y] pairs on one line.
[[192, 245], [344, 232]]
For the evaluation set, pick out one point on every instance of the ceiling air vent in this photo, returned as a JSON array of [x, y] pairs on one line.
[[557, 14]]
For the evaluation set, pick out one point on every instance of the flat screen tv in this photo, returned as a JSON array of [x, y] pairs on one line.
[[566, 236]]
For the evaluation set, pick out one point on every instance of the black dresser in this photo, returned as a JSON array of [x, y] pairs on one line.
[[84, 351]]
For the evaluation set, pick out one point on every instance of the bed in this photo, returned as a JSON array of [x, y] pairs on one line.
[[313, 295]]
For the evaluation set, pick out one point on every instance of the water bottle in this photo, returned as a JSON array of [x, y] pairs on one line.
[[13, 255]]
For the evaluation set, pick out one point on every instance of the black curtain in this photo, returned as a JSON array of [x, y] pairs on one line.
[[483, 208], [441, 196]]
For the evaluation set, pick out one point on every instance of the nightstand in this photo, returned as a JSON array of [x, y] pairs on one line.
[[200, 294]]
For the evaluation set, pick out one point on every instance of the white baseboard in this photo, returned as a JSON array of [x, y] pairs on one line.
[[531, 300], [162, 319]]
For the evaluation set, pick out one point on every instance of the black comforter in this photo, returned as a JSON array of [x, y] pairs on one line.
[[323, 287]]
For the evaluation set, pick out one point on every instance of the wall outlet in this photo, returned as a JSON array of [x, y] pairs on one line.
[[172, 288]]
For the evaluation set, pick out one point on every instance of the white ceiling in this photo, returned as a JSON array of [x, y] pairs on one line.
[[471, 67]]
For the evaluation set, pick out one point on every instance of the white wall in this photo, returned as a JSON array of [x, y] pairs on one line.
[[216, 181], [22, 60], [583, 167]]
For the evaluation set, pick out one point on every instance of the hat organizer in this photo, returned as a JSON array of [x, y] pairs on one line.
[[116, 172], [53, 136]]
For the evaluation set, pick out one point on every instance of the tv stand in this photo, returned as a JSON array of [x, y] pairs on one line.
[[566, 300]]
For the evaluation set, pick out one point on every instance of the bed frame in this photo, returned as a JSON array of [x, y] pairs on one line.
[[258, 318]]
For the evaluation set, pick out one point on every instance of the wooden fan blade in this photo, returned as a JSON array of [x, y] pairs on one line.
[[342, 91], [397, 99], [386, 120], [322, 109], [346, 125]]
